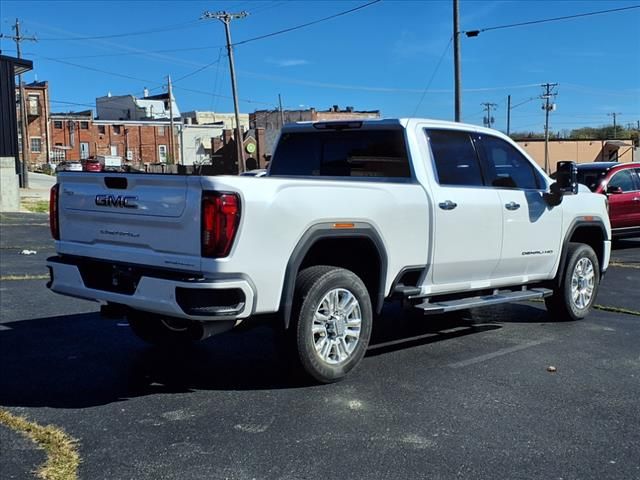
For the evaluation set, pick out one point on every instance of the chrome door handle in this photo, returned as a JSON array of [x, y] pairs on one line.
[[447, 205], [512, 206], [636, 199]]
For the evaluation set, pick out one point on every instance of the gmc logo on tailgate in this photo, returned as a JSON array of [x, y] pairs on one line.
[[121, 201]]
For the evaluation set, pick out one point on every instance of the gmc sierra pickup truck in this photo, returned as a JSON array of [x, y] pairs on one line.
[[446, 216]]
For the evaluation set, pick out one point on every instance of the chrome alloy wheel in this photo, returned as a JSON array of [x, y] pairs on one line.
[[582, 283], [336, 326]]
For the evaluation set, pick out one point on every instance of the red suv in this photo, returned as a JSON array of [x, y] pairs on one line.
[[620, 182], [91, 165]]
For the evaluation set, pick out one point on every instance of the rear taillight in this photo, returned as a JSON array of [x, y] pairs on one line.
[[220, 219], [54, 221]]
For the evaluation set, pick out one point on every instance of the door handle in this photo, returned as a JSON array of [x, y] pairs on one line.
[[512, 206], [636, 199], [447, 205]]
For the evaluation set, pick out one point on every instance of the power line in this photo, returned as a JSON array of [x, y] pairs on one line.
[[475, 33], [433, 75], [166, 28], [291, 29]]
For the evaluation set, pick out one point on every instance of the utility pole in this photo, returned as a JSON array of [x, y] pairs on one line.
[[281, 112], [226, 18], [488, 120], [615, 125], [24, 175], [172, 147], [456, 61], [547, 107], [508, 114]]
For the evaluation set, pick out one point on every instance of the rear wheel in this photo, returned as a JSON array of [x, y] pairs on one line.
[[332, 319], [576, 292], [163, 331]]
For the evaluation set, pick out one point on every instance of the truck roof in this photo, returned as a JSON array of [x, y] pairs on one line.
[[385, 123]]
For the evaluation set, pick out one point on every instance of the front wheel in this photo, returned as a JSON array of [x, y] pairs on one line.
[[332, 319], [576, 292]]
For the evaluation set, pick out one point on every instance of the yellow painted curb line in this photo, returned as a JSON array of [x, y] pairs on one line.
[[62, 454]]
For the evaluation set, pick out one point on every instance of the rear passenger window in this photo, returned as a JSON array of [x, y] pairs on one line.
[[376, 153], [507, 167], [455, 158]]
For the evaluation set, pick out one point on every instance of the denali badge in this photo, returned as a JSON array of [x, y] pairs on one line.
[[122, 201]]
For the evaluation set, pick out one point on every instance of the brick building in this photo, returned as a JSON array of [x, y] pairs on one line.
[[77, 136], [38, 110], [223, 159], [271, 120]]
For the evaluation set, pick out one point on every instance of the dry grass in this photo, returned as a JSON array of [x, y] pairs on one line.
[[62, 453], [23, 277], [607, 308], [38, 206]]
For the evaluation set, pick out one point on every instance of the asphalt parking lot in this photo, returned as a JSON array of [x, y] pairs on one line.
[[467, 396]]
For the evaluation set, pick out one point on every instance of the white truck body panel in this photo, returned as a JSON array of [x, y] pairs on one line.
[[477, 245]]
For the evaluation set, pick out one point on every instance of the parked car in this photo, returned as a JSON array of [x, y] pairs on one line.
[[258, 172], [91, 165], [69, 166], [620, 182]]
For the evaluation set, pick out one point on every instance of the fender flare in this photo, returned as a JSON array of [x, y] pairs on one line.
[[575, 225], [320, 232]]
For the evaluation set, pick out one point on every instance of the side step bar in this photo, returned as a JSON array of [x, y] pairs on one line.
[[430, 308]]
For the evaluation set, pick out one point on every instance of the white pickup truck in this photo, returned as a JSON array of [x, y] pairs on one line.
[[446, 216]]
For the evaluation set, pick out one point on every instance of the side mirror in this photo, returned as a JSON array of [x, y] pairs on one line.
[[614, 190], [566, 183], [567, 178]]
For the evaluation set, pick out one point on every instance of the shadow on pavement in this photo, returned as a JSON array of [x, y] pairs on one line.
[[82, 360]]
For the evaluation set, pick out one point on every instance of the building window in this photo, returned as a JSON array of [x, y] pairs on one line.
[[162, 153], [116, 129], [57, 124], [101, 129], [161, 131], [33, 104], [36, 145], [84, 125]]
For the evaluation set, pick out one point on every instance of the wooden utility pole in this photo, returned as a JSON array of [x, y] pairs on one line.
[[488, 120], [456, 61], [508, 114], [547, 107], [226, 18], [615, 125], [172, 147], [281, 112], [24, 171]]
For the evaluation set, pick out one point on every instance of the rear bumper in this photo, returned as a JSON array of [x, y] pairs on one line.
[[164, 293]]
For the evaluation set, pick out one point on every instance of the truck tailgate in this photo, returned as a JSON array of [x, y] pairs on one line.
[[135, 218]]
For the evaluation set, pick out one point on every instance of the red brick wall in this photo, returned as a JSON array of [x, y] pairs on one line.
[[37, 124], [141, 140]]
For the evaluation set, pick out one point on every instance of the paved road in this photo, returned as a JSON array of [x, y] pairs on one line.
[[467, 396]]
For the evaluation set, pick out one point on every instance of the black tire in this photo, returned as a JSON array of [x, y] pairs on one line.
[[313, 286], [562, 305], [163, 331]]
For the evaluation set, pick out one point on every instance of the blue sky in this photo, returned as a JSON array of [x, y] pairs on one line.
[[380, 57]]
